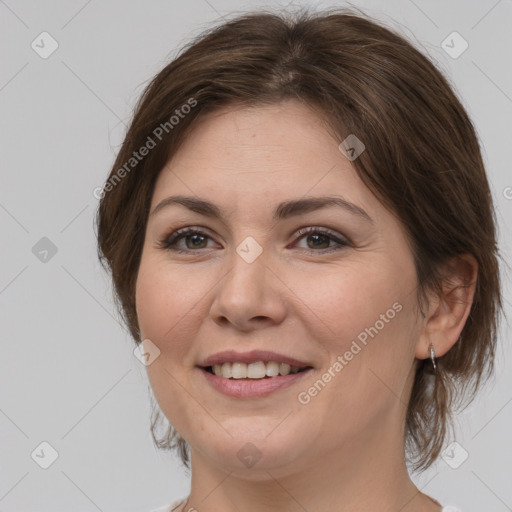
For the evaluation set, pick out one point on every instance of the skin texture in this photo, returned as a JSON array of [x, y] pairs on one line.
[[343, 450]]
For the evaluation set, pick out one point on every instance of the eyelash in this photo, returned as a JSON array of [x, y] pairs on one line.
[[168, 243]]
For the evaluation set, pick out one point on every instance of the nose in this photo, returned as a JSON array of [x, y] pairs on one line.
[[249, 296]]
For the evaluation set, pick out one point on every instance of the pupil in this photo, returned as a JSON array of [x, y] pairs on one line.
[[196, 237], [319, 236]]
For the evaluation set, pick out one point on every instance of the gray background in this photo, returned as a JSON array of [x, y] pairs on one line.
[[68, 375]]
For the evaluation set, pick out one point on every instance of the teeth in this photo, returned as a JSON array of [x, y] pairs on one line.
[[284, 369], [256, 370], [239, 370], [272, 369], [226, 371]]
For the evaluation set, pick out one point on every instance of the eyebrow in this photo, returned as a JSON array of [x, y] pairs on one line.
[[283, 211]]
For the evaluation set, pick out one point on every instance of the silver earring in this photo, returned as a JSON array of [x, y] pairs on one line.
[[433, 357]]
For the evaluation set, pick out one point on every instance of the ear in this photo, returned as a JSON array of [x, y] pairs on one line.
[[447, 314]]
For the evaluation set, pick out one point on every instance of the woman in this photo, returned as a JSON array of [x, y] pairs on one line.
[[300, 232]]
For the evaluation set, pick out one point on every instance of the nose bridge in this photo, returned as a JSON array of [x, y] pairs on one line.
[[246, 277], [246, 290]]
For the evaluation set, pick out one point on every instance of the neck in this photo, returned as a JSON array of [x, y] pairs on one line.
[[366, 474]]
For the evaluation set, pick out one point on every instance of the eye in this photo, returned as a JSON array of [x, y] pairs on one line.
[[193, 238], [320, 239]]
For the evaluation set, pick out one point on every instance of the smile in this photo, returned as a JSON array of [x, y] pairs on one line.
[[250, 387], [256, 370], [252, 374]]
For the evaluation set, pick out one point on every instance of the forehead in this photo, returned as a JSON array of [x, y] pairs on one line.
[[263, 154]]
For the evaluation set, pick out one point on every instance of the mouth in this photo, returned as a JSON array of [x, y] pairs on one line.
[[252, 374], [254, 371]]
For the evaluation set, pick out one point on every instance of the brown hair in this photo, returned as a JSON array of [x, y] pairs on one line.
[[422, 160]]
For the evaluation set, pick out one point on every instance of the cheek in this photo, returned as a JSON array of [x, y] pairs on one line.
[[364, 313], [165, 300], [349, 300], [165, 311]]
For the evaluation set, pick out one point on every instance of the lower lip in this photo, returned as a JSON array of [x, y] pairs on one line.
[[252, 388]]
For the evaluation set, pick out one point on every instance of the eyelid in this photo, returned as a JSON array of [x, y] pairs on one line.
[[324, 231], [340, 241], [181, 233]]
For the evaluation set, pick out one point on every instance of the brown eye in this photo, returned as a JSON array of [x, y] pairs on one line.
[[318, 240], [193, 240], [197, 241]]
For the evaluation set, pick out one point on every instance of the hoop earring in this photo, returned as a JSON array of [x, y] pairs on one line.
[[433, 356]]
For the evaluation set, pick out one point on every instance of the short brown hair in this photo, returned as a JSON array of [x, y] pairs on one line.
[[422, 160]]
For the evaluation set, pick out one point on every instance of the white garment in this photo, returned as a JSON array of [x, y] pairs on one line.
[[172, 507]]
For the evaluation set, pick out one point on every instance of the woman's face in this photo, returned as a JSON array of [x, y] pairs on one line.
[[268, 278]]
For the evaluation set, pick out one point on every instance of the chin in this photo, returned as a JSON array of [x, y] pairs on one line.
[[253, 452]]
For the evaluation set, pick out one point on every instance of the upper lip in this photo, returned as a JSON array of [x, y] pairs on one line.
[[232, 356]]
